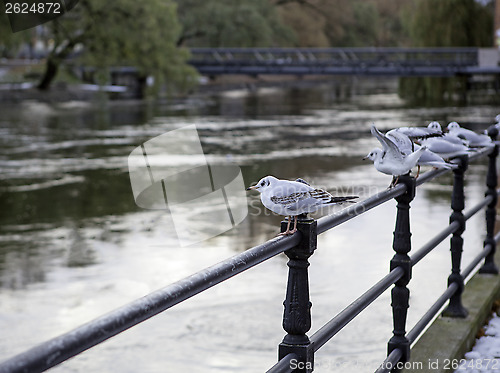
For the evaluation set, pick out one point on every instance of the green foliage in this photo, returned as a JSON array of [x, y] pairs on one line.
[[451, 23], [345, 23], [392, 30], [120, 33], [365, 23], [307, 22], [445, 23], [231, 23], [132, 33]]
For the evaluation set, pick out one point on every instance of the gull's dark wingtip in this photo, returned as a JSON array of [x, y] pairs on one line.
[[299, 180], [343, 199]]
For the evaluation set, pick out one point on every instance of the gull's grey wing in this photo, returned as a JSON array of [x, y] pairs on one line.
[[387, 144], [443, 146], [419, 132], [318, 194], [402, 142], [290, 198], [321, 195]]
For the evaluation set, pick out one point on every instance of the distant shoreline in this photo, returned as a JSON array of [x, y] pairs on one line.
[[62, 92]]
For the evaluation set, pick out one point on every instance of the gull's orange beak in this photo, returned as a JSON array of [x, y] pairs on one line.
[[252, 187]]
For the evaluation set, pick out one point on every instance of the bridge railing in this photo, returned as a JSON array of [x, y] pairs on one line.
[[335, 56], [296, 352]]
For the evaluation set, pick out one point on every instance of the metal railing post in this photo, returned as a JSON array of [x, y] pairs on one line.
[[491, 212], [297, 306], [455, 307], [400, 293]]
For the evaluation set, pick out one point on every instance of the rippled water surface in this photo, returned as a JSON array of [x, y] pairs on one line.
[[74, 245]]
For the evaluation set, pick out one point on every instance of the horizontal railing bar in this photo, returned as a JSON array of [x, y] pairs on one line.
[[284, 365], [432, 174], [473, 211], [468, 270], [431, 245], [327, 222], [481, 152], [336, 324], [487, 248], [431, 312], [429, 175], [436, 240], [61, 348], [413, 334], [429, 315], [390, 361]]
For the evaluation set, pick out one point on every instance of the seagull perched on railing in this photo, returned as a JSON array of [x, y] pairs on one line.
[[293, 198], [406, 145], [448, 136], [391, 160], [474, 139], [446, 149], [497, 124]]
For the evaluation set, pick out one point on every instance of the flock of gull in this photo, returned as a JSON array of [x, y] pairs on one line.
[[403, 149]]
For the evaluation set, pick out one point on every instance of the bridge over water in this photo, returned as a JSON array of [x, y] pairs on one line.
[[346, 61]]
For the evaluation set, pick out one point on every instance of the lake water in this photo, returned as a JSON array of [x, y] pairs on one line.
[[74, 245]]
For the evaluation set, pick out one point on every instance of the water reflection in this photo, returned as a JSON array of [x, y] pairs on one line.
[[74, 245]]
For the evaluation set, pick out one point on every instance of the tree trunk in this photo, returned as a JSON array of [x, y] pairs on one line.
[[51, 70]]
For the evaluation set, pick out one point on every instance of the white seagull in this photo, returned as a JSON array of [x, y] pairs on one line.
[[448, 136], [292, 198], [497, 124], [407, 146], [446, 149], [474, 139], [391, 160], [435, 126]]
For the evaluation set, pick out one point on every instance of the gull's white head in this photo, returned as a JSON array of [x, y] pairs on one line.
[[453, 126], [263, 183], [435, 126], [497, 118], [374, 154]]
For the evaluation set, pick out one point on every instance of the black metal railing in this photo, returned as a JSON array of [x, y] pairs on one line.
[[297, 346]]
